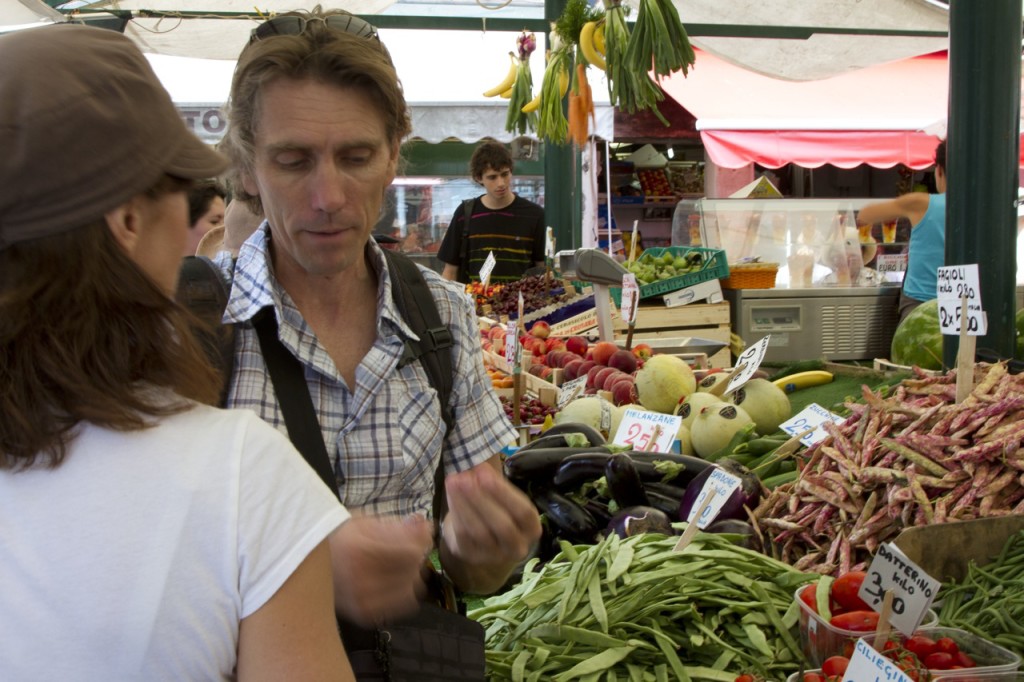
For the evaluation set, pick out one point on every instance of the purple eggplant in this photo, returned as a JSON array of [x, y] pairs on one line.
[[747, 495], [636, 520], [744, 532], [568, 520], [578, 469], [624, 484]]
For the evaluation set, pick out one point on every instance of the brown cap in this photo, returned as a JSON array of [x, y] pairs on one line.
[[84, 126]]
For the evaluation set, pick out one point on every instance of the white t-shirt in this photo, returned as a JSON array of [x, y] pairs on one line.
[[139, 555]]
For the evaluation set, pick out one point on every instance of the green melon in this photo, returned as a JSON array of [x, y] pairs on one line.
[[917, 340]]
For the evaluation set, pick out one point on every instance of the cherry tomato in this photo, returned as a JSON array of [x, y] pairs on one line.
[[835, 665], [856, 621], [745, 677], [808, 598], [920, 645], [939, 660], [964, 661], [845, 588], [813, 677], [947, 645]]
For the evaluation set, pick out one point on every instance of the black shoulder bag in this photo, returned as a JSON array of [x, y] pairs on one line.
[[437, 644]]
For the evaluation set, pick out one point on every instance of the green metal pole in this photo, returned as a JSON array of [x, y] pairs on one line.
[[983, 158], [561, 202]]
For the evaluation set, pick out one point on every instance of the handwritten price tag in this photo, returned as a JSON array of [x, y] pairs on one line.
[[487, 268], [867, 665], [814, 417], [571, 390], [630, 298], [647, 431], [751, 359], [891, 262], [913, 589], [957, 282], [724, 484], [512, 349]]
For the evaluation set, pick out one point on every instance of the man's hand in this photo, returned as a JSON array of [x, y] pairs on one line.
[[378, 567], [491, 527]]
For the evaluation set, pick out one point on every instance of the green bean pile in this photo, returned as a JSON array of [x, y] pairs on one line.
[[990, 600], [636, 610]]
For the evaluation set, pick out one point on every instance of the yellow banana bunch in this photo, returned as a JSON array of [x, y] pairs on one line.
[[599, 39], [587, 46], [803, 380], [506, 83], [507, 94]]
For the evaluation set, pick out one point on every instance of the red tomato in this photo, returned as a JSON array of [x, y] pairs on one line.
[[964, 661], [745, 677], [939, 660], [920, 646], [856, 621], [835, 665], [946, 645], [813, 677], [807, 597], [845, 588]]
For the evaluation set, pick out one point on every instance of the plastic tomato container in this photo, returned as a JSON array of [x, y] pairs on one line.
[[820, 640], [995, 663]]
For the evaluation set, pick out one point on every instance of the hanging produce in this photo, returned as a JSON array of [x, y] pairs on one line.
[[518, 121], [552, 124], [630, 89], [506, 83], [659, 38]]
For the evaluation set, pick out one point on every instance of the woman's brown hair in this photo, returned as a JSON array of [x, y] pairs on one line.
[[84, 336]]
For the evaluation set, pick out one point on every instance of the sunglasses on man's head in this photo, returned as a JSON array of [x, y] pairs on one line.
[[293, 25]]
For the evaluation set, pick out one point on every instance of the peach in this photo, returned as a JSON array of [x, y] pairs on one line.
[[572, 370], [585, 369], [603, 350], [540, 329], [602, 377], [577, 345], [643, 351], [592, 375], [624, 393], [623, 360], [496, 331], [555, 343]]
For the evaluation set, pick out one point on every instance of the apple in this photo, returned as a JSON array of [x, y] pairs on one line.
[[603, 350], [577, 345], [497, 331], [541, 329], [555, 343], [539, 347]]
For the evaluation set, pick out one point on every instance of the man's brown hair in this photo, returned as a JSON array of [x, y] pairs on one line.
[[489, 154], [85, 336]]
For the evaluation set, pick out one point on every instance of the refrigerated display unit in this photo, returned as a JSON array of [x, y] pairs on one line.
[[836, 288]]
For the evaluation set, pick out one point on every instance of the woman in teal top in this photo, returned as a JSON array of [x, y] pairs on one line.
[[927, 215]]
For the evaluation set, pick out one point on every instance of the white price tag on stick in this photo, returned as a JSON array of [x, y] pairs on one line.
[[549, 243], [512, 348], [913, 589], [751, 360], [868, 665], [814, 417], [957, 282], [724, 485], [630, 298], [487, 268], [571, 390], [647, 431]]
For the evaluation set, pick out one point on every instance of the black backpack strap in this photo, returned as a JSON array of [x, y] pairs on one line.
[[467, 214], [412, 297], [300, 417], [203, 291]]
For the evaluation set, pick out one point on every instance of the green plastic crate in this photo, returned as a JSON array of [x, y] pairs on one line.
[[715, 267]]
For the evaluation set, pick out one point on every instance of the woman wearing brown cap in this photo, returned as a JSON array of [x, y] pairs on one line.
[[143, 535]]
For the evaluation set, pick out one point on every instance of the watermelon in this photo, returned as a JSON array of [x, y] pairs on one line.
[[917, 340]]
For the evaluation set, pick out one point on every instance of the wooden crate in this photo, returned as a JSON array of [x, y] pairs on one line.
[[545, 390], [704, 320]]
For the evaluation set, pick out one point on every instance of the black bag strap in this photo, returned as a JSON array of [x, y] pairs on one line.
[[300, 418], [467, 215], [419, 310], [203, 291]]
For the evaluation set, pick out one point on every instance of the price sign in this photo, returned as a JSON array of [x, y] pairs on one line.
[[955, 283], [891, 262], [724, 484], [571, 390], [751, 360], [630, 298], [867, 665], [513, 351], [814, 417], [647, 431], [487, 268], [913, 589]]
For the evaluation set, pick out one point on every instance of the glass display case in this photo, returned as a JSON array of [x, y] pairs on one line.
[[836, 291]]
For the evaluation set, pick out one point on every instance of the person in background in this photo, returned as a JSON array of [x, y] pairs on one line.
[[145, 535], [927, 251], [501, 222], [239, 223], [316, 118], [205, 212]]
